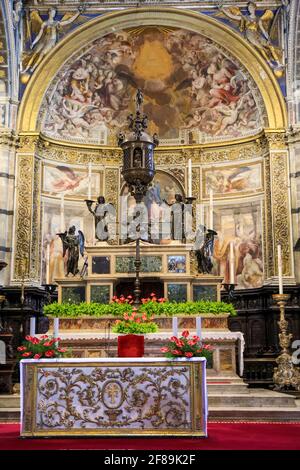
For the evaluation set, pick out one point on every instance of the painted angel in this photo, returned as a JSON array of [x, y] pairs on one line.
[[69, 181], [46, 35], [73, 245], [258, 31]]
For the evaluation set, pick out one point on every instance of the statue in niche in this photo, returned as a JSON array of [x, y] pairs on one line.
[[46, 35], [177, 218], [204, 249], [73, 245], [138, 158], [101, 215], [258, 30]]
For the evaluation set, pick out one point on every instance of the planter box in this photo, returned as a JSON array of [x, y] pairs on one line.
[[211, 322]]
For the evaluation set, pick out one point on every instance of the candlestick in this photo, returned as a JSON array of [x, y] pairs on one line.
[[55, 327], [32, 326], [211, 210], [198, 326], [280, 280], [90, 181], [62, 213], [48, 264], [231, 264], [189, 177], [175, 326], [286, 375]]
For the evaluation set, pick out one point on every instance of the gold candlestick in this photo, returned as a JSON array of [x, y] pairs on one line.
[[286, 374]]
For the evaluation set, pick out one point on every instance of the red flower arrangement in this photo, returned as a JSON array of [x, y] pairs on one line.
[[122, 299], [38, 348], [135, 323], [129, 299], [186, 346]]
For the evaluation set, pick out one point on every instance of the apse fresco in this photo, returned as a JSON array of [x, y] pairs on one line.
[[232, 179], [242, 225], [63, 179], [194, 91]]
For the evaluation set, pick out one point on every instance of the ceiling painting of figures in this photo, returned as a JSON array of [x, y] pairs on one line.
[[194, 90]]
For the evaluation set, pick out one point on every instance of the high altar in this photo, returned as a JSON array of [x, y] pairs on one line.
[[120, 397], [216, 95]]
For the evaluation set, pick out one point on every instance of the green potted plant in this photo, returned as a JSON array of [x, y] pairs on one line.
[[131, 330]]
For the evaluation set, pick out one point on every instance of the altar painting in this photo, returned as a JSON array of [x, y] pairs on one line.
[[70, 181], [160, 195], [241, 224], [227, 180]]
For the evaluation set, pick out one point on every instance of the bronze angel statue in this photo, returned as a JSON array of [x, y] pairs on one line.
[[204, 253], [73, 245], [47, 32], [259, 31]]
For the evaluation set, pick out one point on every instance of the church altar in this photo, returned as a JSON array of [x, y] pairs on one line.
[[113, 396]]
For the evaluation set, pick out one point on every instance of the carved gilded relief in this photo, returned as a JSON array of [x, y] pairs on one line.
[[114, 399], [24, 214], [281, 208]]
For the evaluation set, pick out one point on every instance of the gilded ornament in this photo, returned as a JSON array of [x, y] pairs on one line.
[[280, 207]]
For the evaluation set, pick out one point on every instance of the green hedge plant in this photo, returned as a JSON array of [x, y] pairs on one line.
[[169, 309]]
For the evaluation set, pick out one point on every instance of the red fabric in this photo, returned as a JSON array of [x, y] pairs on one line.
[[131, 346], [221, 436]]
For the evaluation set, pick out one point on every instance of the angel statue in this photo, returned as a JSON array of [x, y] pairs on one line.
[[73, 245], [46, 35], [259, 31], [204, 253]]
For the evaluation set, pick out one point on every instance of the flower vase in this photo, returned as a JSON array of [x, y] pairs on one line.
[[131, 346]]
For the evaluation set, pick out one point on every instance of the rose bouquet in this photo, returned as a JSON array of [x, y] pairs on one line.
[[186, 346], [135, 322], [40, 348]]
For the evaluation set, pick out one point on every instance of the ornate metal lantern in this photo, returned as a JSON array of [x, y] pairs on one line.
[[138, 170], [138, 152]]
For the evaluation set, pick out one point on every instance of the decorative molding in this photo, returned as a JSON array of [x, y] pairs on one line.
[[276, 139], [27, 143], [23, 215], [36, 222], [281, 209], [267, 223]]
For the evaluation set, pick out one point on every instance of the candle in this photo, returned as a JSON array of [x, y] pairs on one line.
[[48, 264], [189, 177], [62, 213], [231, 264], [175, 326], [211, 210], [90, 181], [55, 327], [198, 326], [280, 280], [32, 326]]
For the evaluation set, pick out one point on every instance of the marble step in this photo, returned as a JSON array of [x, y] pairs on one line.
[[218, 389], [10, 401], [9, 415], [253, 414], [259, 399]]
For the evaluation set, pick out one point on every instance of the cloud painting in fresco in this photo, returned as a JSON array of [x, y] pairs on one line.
[[194, 91]]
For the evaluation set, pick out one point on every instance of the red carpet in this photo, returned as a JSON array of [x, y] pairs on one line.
[[222, 436]]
